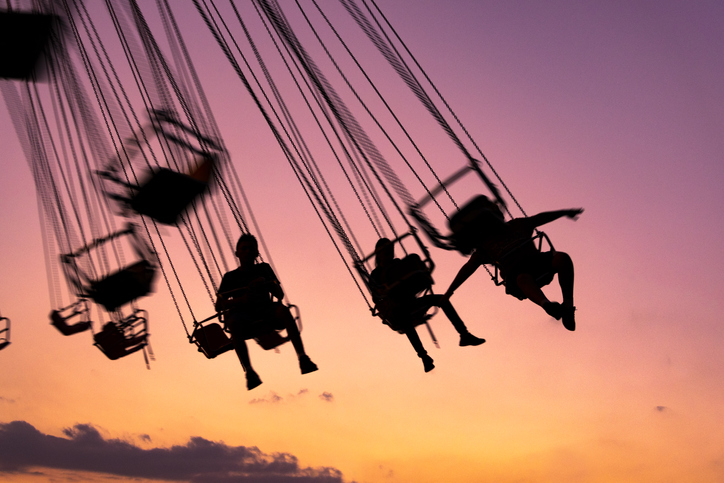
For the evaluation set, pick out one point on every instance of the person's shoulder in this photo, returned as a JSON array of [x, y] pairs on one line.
[[264, 269]]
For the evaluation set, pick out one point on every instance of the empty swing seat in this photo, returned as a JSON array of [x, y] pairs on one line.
[[23, 37], [270, 340], [61, 323], [118, 340], [211, 340]]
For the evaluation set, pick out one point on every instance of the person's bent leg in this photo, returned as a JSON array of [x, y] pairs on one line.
[[529, 287], [563, 265]]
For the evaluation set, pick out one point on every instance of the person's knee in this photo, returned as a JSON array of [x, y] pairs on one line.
[[562, 259]]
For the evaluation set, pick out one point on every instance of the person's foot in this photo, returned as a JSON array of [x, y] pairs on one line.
[[569, 317], [469, 339], [306, 365], [554, 309], [428, 363], [252, 380]]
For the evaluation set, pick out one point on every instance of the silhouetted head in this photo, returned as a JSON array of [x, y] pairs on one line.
[[247, 248], [384, 252], [489, 205]]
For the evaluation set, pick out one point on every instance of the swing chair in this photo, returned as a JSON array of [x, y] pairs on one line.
[[23, 40], [165, 194], [4, 332], [114, 288], [77, 313], [123, 337]]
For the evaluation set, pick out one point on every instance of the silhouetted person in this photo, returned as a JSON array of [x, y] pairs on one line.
[[395, 284], [245, 297], [524, 269]]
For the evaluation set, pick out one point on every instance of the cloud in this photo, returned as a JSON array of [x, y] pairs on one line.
[[24, 449], [661, 409], [327, 396], [7, 400], [274, 398]]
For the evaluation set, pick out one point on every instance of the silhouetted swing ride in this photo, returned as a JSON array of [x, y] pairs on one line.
[[116, 170], [105, 162]]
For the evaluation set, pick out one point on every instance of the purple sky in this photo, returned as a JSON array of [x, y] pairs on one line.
[[612, 106]]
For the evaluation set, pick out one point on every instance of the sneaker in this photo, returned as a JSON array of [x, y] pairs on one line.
[[554, 309], [469, 339], [252, 380], [428, 363], [569, 317], [306, 365]]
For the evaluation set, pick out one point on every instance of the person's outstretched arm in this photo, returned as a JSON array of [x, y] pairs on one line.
[[548, 216], [463, 274]]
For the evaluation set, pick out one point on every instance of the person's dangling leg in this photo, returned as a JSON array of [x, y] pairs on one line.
[[414, 339], [242, 352], [282, 312], [466, 338]]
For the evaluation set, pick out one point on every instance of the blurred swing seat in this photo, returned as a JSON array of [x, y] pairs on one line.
[[59, 318], [166, 194], [123, 286], [23, 38], [124, 337], [4, 332], [111, 289]]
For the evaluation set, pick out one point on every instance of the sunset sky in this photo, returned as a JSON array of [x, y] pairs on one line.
[[616, 107]]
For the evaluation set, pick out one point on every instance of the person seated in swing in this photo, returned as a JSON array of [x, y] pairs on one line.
[[524, 270], [245, 298], [395, 284]]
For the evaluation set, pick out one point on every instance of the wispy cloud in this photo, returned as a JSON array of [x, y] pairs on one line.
[[326, 396], [23, 447], [274, 398]]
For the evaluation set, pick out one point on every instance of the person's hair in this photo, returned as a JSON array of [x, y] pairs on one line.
[[248, 238], [382, 245]]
